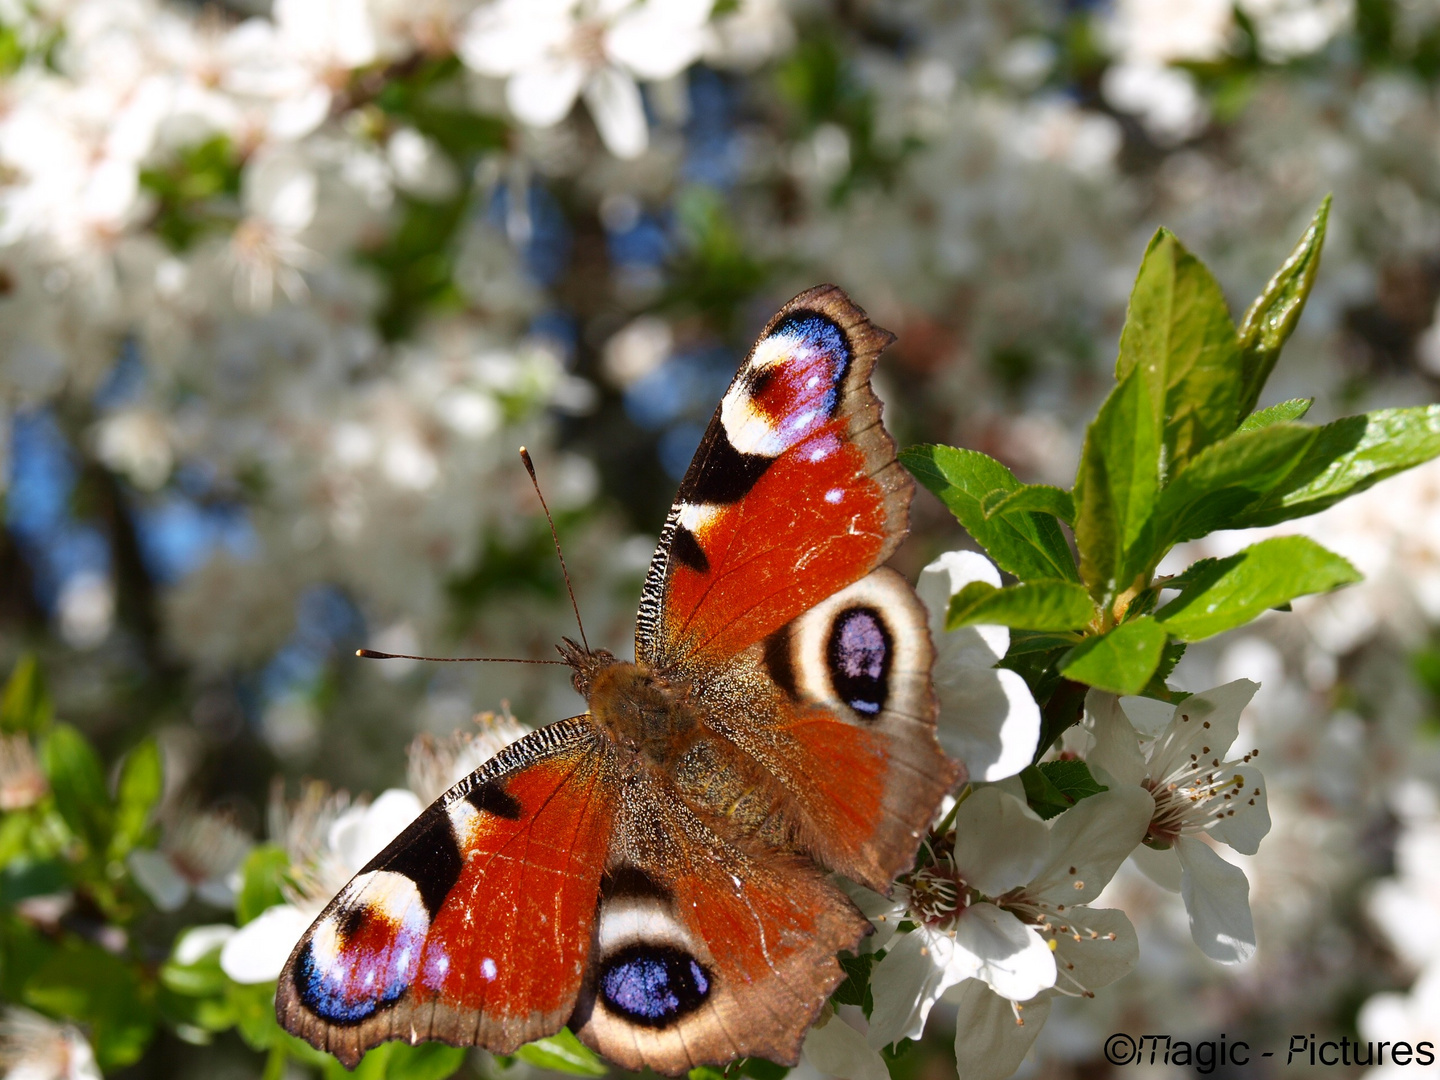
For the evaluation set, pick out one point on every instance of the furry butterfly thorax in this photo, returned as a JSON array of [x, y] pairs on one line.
[[653, 873]]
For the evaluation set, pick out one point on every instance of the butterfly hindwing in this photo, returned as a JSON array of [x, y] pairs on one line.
[[473, 927], [793, 494], [706, 950]]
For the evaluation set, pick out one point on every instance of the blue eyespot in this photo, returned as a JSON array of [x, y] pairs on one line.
[[858, 657], [653, 985]]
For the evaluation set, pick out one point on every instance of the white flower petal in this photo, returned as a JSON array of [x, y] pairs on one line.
[[974, 646], [1247, 814], [1161, 867], [988, 719], [884, 914], [999, 841], [259, 949], [989, 1042], [658, 41], [358, 838], [908, 980], [160, 881], [1148, 716], [1095, 960], [1013, 958], [619, 114], [1204, 725], [1093, 837], [1217, 896], [1117, 748], [504, 38], [837, 1049], [543, 94], [199, 942]]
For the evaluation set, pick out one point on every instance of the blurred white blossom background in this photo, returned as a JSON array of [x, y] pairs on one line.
[[284, 286]]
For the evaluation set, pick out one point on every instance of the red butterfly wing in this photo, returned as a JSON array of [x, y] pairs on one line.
[[793, 494], [474, 925]]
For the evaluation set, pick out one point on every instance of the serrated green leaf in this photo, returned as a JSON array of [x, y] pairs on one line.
[[1220, 482], [261, 878], [78, 784], [1347, 457], [1033, 641], [1225, 593], [142, 780], [1179, 337], [1071, 778], [1026, 544], [563, 1052], [1116, 487], [25, 704], [1031, 605], [86, 983], [1272, 317], [1039, 498], [1286, 411], [1120, 661], [1041, 795], [1169, 657]]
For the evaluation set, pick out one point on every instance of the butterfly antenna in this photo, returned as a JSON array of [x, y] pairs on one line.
[[372, 654], [530, 468]]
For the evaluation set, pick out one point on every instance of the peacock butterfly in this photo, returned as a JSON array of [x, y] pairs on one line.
[[652, 873]]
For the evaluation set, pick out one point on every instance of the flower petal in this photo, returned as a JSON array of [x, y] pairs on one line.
[[999, 841], [198, 942], [1148, 716], [359, 837], [1247, 816], [988, 720], [971, 646], [658, 41], [1096, 959], [544, 93], [1161, 867], [1116, 747], [908, 980], [160, 881], [990, 1042], [504, 38], [1204, 725], [1217, 896], [1013, 958], [884, 914], [618, 112], [1089, 841], [259, 949], [837, 1049]]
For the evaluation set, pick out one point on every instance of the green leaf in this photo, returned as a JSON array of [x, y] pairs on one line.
[[1290, 411], [428, 1061], [1221, 594], [1116, 488], [1026, 544], [705, 1072], [1271, 318], [24, 878], [563, 1052], [1347, 457], [78, 784], [1179, 337], [25, 704], [1032, 605], [1041, 498], [761, 1069], [142, 780], [1120, 661], [855, 990], [86, 983], [1052, 787], [264, 872], [1216, 486]]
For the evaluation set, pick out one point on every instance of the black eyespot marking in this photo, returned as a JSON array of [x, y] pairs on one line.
[[626, 880], [720, 473], [685, 549], [780, 663], [491, 798], [653, 985], [427, 854], [351, 920], [858, 657]]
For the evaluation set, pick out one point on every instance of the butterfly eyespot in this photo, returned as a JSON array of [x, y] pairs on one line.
[[653, 985], [858, 656]]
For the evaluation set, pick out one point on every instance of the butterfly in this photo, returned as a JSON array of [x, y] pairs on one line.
[[653, 873]]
